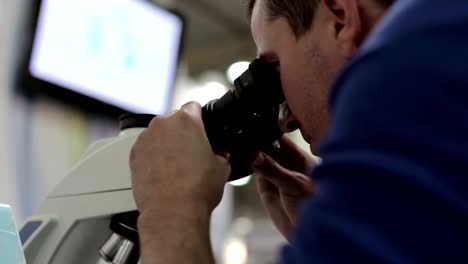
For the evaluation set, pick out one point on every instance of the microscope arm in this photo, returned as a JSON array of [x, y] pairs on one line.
[[90, 216], [81, 206]]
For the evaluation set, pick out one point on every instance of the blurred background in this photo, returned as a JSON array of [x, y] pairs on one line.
[[42, 136]]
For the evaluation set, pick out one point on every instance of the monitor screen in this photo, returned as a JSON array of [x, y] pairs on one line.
[[120, 52]]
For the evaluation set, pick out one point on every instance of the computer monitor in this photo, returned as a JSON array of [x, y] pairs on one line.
[[122, 53]]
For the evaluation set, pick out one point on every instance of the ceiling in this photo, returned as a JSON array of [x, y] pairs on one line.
[[217, 33]]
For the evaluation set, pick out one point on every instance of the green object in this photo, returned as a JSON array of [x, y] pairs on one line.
[[11, 251]]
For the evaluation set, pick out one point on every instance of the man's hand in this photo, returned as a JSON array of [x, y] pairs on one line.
[[283, 184], [177, 182], [172, 162]]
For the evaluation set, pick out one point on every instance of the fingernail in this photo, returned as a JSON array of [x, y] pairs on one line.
[[258, 160]]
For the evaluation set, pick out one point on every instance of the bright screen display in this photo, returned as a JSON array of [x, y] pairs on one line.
[[121, 52]]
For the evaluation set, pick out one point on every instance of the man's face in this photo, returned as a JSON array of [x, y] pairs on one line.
[[307, 67]]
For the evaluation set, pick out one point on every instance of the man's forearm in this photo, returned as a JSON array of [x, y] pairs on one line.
[[175, 236]]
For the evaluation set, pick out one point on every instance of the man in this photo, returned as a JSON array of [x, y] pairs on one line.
[[392, 187]]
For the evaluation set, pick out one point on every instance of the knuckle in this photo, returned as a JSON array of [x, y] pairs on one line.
[[185, 118], [184, 115], [133, 158], [191, 104], [136, 149], [155, 122]]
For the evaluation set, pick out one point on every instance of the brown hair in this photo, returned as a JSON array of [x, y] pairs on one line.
[[298, 13]]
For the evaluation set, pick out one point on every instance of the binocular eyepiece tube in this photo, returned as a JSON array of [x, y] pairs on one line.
[[243, 121]]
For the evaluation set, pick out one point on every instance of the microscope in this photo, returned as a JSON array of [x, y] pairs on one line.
[[91, 216]]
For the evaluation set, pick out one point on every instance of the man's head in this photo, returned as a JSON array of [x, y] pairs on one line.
[[310, 40]]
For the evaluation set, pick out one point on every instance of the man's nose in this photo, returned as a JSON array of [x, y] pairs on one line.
[[287, 121]]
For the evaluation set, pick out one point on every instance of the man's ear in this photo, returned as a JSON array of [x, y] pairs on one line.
[[347, 24]]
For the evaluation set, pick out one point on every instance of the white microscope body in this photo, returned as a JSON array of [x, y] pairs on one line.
[[73, 222], [85, 219]]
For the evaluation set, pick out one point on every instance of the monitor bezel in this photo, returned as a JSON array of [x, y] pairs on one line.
[[33, 87]]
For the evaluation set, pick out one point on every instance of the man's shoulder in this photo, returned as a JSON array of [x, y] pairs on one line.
[[427, 35], [407, 18]]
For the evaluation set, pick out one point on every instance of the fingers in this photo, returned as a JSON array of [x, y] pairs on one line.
[[271, 200], [264, 186], [223, 162], [193, 109], [267, 167], [223, 154], [189, 111], [287, 181], [188, 117], [293, 157]]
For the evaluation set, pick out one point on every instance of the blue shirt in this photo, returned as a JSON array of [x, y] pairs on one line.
[[393, 186]]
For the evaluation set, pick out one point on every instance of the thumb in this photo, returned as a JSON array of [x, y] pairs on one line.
[[194, 109]]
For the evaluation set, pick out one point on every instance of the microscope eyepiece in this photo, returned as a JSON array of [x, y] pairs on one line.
[[243, 121]]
